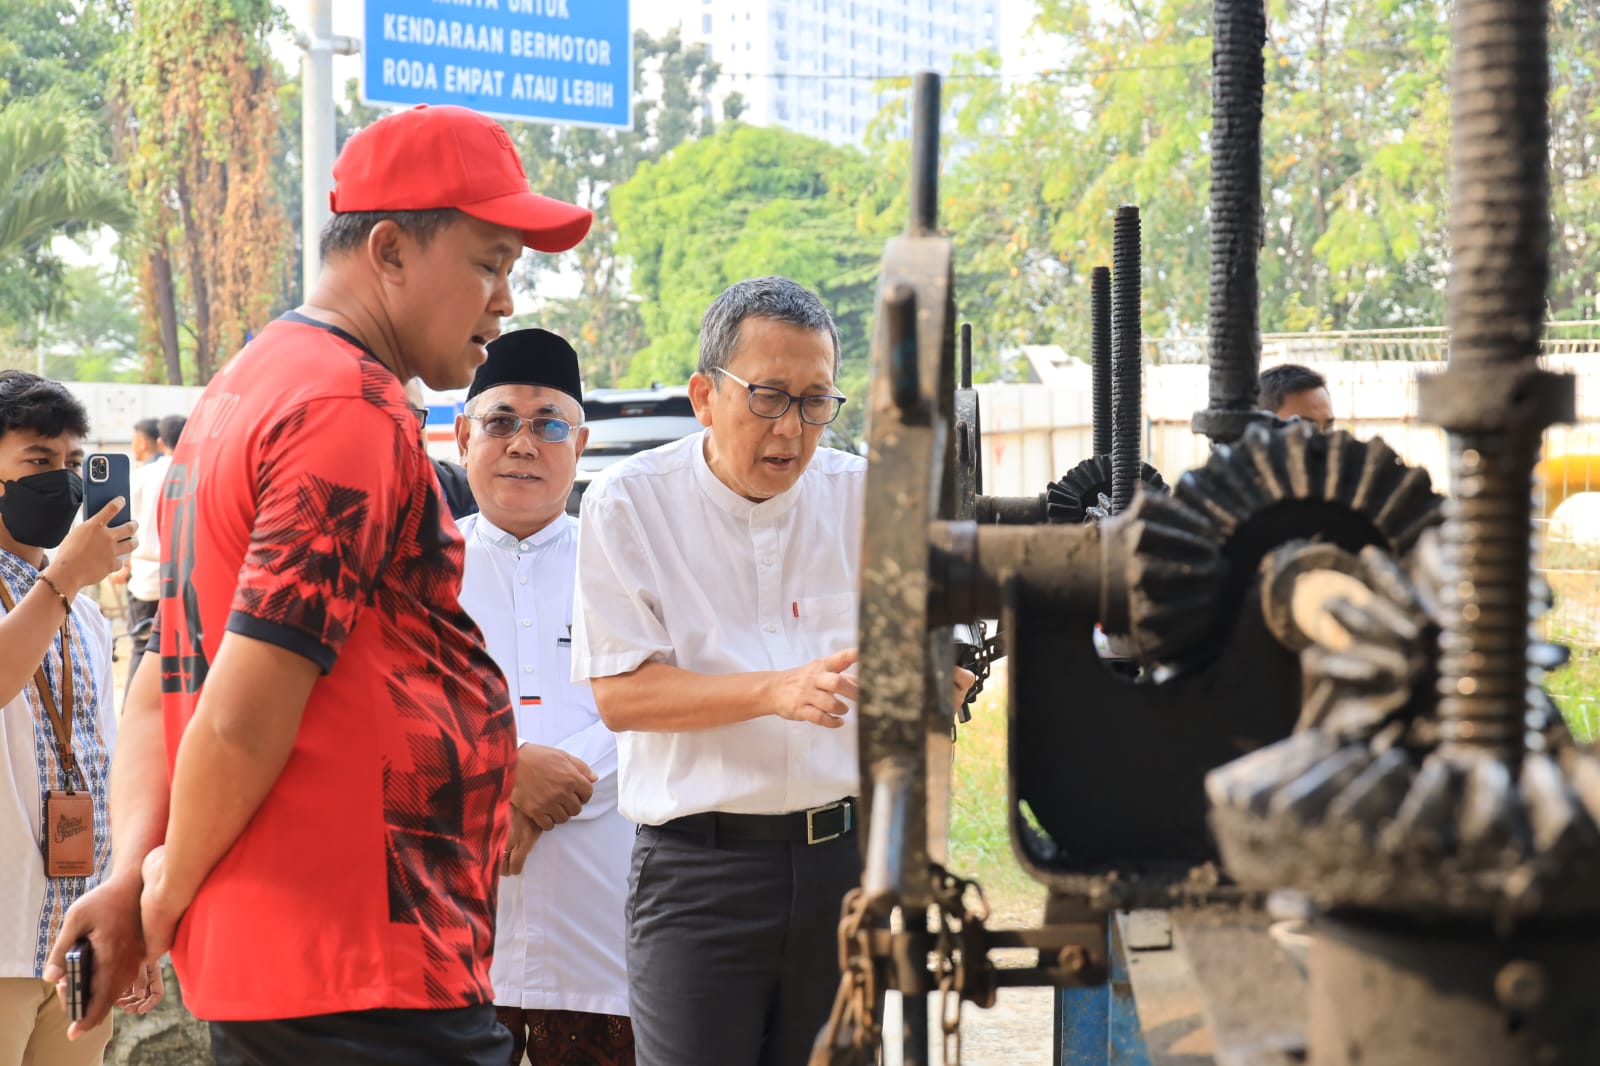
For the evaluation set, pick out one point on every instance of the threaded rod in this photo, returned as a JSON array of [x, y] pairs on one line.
[[1127, 415], [1100, 355]]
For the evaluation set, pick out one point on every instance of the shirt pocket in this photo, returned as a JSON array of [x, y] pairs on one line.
[[824, 624]]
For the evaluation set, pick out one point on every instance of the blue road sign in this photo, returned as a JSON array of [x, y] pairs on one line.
[[566, 62]]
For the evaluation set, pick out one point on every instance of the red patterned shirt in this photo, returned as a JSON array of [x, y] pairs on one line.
[[301, 510]]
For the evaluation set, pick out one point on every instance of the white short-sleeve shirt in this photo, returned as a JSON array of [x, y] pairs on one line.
[[559, 931], [675, 567]]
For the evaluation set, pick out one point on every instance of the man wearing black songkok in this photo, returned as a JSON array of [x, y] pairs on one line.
[[559, 975]]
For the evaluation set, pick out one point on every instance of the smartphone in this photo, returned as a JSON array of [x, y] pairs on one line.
[[80, 970], [105, 477]]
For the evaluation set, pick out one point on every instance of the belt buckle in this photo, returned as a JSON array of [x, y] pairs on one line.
[[811, 827]]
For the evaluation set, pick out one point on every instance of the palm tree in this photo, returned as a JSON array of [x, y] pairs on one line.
[[53, 176]]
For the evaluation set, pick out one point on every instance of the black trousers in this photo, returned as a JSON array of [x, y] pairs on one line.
[[468, 1036], [138, 611], [733, 954]]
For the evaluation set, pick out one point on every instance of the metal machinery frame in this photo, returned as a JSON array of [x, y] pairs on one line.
[[1320, 676]]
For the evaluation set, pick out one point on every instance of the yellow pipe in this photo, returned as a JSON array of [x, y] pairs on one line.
[[1562, 476]]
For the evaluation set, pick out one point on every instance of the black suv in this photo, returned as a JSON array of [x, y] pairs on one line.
[[624, 421]]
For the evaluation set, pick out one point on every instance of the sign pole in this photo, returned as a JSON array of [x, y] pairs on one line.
[[317, 132]]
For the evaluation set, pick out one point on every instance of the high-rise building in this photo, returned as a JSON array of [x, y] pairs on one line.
[[810, 65]]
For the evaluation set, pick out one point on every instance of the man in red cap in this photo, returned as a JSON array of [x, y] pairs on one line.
[[324, 866]]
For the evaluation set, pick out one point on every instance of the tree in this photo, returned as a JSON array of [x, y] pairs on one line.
[[53, 60], [1575, 158], [671, 84], [56, 44], [745, 202], [202, 142], [1355, 156], [97, 341], [53, 181]]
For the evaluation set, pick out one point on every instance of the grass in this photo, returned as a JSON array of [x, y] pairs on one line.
[[1576, 688], [1573, 569], [980, 840]]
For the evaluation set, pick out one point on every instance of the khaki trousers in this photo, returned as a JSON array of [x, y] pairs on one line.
[[33, 1028]]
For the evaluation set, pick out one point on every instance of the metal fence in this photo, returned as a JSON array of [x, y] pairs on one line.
[[1033, 433], [1417, 344]]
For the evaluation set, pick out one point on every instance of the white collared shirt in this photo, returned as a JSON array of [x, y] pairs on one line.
[[560, 926], [675, 567], [144, 505], [31, 904]]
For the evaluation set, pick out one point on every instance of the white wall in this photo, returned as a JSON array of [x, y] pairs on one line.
[[114, 408], [1032, 434]]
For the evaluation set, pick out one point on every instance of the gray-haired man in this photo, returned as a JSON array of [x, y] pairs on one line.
[[716, 619]]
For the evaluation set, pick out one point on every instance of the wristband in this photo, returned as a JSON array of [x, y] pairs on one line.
[[62, 596]]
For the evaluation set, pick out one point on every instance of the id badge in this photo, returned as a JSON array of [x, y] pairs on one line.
[[69, 834]]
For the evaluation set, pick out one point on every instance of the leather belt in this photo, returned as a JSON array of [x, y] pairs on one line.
[[815, 826]]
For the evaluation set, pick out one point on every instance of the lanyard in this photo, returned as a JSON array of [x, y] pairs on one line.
[[60, 718]]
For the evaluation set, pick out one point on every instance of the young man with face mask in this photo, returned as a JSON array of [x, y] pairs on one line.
[[57, 717], [560, 980]]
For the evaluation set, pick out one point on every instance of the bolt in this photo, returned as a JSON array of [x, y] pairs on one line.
[[1520, 986], [1074, 958]]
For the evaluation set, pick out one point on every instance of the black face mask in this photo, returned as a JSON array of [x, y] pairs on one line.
[[38, 509]]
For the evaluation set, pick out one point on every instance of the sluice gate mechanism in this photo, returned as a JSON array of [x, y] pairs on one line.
[[1278, 747]]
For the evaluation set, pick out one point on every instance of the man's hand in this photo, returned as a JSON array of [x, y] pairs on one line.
[[158, 912], [524, 835], [93, 550], [551, 785], [109, 916], [146, 991], [965, 679], [816, 692]]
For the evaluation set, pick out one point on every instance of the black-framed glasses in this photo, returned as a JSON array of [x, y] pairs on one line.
[[504, 424], [767, 401], [421, 414]]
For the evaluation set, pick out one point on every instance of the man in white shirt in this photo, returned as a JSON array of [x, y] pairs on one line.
[[146, 450], [143, 572], [716, 621], [559, 976]]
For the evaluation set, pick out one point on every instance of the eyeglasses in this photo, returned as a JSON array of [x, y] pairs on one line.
[[501, 424], [769, 402], [421, 414]]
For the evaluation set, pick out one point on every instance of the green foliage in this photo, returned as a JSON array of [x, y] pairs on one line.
[[671, 82], [745, 202], [1355, 151], [50, 44], [54, 181], [54, 147], [213, 240], [1575, 158]]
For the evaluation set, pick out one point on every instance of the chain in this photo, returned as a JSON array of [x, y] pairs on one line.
[[961, 954], [853, 1032], [961, 966], [978, 659]]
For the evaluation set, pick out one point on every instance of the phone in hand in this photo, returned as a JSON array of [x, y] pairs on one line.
[[80, 970], [105, 477]]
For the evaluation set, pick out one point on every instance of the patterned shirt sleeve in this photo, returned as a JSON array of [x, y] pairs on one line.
[[333, 481]]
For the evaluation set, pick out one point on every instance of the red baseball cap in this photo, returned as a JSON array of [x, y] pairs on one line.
[[446, 156]]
